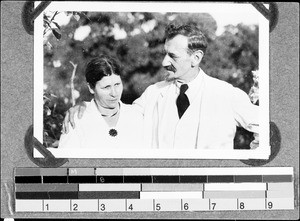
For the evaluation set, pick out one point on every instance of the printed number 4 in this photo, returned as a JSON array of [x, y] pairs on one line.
[[130, 207]]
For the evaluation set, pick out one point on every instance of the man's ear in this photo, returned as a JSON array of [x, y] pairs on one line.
[[197, 57], [91, 89]]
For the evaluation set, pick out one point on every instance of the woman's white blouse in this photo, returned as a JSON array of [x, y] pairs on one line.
[[92, 131]]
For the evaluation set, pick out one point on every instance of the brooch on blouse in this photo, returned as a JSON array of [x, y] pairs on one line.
[[113, 132]]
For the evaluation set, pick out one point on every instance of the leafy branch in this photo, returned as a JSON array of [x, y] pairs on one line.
[[48, 25]]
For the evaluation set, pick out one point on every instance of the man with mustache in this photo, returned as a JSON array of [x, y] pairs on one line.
[[189, 109]]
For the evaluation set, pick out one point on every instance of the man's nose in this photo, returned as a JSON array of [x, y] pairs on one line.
[[166, 61]]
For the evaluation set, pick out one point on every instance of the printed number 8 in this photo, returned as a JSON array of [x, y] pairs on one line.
[[242, 205]]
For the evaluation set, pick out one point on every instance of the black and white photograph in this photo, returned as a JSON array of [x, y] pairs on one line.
[[149, 109], [154, 80]]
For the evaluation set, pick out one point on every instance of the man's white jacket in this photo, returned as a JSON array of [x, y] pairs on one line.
[[209, 122]]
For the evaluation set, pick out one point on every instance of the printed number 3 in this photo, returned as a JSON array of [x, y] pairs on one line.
[[102, 207]]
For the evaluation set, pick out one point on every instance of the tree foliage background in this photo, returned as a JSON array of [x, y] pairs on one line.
[[137, 40]]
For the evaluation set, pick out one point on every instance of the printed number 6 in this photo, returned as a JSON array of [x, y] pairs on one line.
[[186, 206]]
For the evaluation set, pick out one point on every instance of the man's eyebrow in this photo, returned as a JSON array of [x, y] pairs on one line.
[[169, 53], [172, 54]]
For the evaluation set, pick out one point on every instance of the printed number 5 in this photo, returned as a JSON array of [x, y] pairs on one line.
[[157, 208]]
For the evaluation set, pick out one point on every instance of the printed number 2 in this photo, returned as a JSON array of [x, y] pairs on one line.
[[75, 207]]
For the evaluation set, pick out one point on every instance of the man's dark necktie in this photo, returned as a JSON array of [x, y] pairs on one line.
[[182, 101]]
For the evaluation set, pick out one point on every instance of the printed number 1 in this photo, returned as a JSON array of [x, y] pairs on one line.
[[47, 207]]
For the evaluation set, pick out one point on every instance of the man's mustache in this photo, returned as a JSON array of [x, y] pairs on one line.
[[170, 68]]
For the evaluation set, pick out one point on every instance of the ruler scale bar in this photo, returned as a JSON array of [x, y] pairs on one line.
[[153, 189]]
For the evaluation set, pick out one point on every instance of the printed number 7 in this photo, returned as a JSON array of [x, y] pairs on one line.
[[213, 205]]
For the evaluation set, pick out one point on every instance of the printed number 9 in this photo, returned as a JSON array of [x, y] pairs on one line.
[[270, 205]]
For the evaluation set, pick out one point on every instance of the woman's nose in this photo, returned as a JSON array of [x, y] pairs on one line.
[[113, 92]]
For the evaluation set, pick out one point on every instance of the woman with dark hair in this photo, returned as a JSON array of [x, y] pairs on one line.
[[107, 123]]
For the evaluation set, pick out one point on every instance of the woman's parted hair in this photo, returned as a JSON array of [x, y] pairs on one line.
[[99, 67], [196, 39]]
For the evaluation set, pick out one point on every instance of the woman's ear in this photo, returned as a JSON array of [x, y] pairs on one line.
[[197, 57], [91, 89]]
